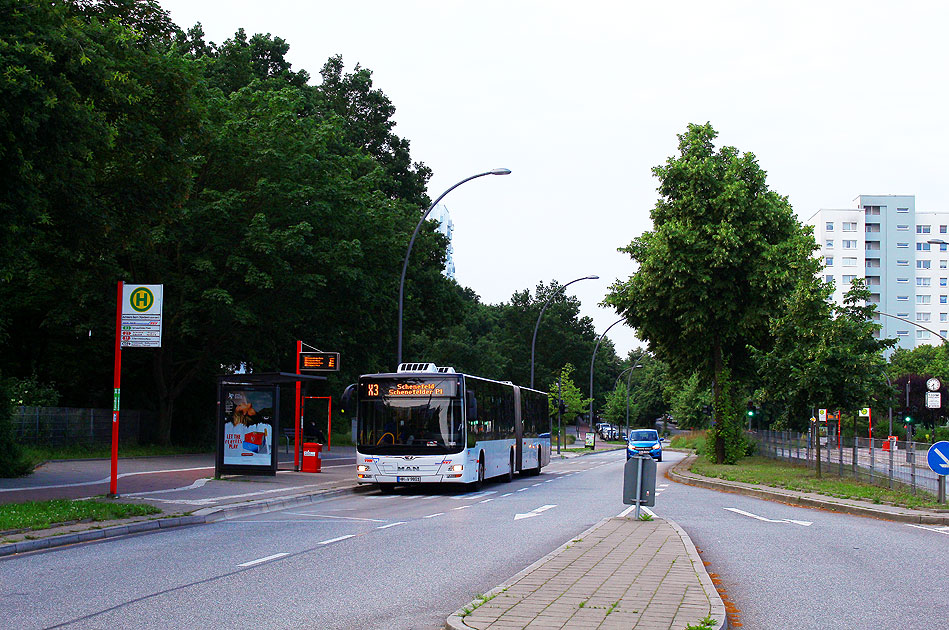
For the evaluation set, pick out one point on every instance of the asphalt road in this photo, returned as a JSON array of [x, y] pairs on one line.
[[403, 561], [793, 567]]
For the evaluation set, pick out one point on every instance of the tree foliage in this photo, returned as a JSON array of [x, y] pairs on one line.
[[723, 255]]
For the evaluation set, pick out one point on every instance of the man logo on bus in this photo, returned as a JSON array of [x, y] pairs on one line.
[[141, 299]]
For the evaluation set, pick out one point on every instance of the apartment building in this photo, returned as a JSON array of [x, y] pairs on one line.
[[901, 253]]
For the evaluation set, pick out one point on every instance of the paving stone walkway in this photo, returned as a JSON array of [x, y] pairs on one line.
[[622, 573]]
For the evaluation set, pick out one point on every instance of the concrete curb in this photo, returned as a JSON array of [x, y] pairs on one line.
[[456, 622], [204, 515], [800, 499]]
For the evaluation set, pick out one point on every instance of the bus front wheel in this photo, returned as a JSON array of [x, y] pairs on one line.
[[480, 482]]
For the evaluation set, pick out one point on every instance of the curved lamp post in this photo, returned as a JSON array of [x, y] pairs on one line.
[[405, 264], [628, 380], [537, 325], [593, 360]]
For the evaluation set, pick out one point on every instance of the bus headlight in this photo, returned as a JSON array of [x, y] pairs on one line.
[[457, 468], [362, 468]]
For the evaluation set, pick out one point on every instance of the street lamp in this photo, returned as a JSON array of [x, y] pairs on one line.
[[593, 360], [537, 325], [628, 380], [405, 264]]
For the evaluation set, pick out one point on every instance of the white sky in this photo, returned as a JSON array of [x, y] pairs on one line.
[[580, 100]]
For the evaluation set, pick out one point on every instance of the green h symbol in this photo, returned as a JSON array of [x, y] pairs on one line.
[[141, 299]]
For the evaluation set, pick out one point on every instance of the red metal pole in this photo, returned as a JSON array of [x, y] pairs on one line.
[[296, 415], [329, 423], [116, 385]]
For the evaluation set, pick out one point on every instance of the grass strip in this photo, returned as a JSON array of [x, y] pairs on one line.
[[79, 451], [768, 472], [45, 514]]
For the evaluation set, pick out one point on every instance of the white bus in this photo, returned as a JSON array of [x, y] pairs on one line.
[[428, 424]]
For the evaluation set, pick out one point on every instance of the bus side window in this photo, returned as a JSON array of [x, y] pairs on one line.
[[472, 403]]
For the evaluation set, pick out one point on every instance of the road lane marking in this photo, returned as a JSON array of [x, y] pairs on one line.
[[104, 479], [461, 507], [346, 518], [337, 539], [260, 560], [534, 512], [486, 501], [938, 530], [769, 520], [507, 494], [391, 525], [433, 515]]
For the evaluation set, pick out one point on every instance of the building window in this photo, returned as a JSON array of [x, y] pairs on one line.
[[829, 226], [902, 209], [829, 244], [943, 281], [828, 261], [942, 264], [902, 298], [903, 227], [942, 229], [902, 333], [902, 280], [922, 247], [922, 229], [849, 279], [850, 244], [902, 263], [829, 279], [922, 282], [944, 299], [902, 245], [922, 334], [944, 332], [923, 317], [850, 261], [902, 314], [923, 264], [924, 299], [943, 247], [849, 226], [944, 317], [872, 210]]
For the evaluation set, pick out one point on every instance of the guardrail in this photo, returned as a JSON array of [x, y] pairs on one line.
[[878, 461]]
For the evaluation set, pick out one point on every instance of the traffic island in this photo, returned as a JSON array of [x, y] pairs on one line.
[[621, 573]]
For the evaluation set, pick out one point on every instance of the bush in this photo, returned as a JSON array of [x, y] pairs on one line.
[[941, 434], [13, 460]]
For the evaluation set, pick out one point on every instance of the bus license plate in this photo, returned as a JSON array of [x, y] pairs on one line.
[[408, 479]]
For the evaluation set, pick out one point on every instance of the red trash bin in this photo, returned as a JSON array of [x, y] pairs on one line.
[[311, 457]]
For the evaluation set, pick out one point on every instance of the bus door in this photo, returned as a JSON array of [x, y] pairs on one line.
[[518, 430]]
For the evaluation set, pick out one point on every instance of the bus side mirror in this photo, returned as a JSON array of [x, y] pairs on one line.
[[471, 405], [348, 400]]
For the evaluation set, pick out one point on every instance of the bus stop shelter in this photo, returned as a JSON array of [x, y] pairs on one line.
[[248, 421]]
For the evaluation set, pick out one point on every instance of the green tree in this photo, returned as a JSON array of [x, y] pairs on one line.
[[574, 402], [723, 254], [688, 399], [13, 461], [824, 355]]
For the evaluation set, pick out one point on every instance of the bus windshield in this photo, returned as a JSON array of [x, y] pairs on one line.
[[406, 416]]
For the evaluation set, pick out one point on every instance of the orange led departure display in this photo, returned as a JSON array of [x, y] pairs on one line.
[[319, 361], [410, 388]]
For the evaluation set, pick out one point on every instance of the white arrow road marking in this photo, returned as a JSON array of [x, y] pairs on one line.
[[534, 512], [259, 560], [770, 520]]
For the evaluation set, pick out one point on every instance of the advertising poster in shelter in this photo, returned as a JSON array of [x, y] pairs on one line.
[[248, 426]]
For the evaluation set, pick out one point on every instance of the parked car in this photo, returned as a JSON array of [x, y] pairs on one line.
[[644, 441]]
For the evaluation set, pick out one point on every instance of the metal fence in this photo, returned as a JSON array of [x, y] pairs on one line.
[[58, 426], [878, 461]]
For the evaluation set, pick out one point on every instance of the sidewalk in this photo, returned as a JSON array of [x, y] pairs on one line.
[[620, 574]]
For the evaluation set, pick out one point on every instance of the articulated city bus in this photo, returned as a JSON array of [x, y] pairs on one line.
[[428, 424]]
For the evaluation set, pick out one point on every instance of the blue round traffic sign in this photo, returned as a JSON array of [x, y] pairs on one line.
[[938, 457]]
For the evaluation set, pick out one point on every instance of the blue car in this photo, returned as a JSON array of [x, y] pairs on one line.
[[644, 441]]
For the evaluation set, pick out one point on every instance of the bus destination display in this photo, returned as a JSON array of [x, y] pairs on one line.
[[410, 388]]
